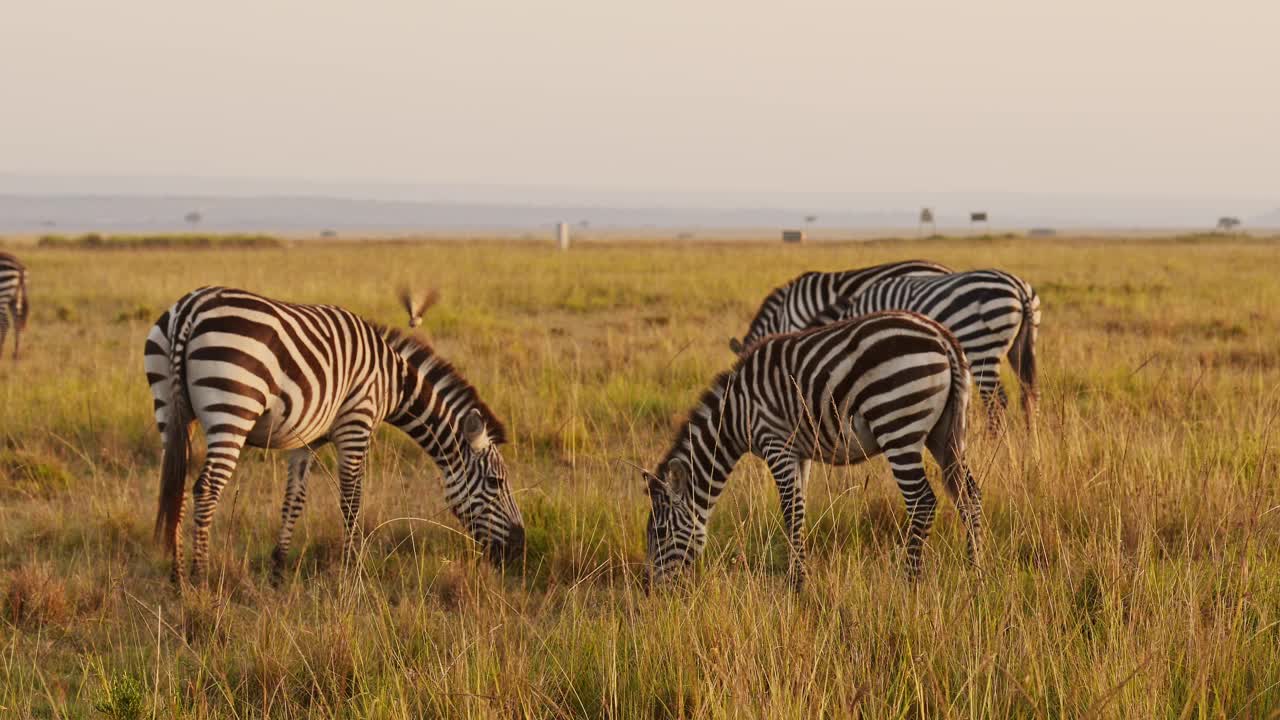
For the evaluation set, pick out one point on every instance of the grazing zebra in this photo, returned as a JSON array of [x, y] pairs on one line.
[[991, 313], [254, 371], [13, 300], [893, 383], [797, 304]]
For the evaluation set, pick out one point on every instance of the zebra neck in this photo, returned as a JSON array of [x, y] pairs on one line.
[[432, 417], [712, 442], [710, 472], [438, 436]]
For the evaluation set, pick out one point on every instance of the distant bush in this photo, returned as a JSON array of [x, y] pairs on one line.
[[94, 241], [124, 698]]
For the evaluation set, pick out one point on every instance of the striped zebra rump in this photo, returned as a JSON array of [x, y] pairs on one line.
[[892, 384], [992, 313]]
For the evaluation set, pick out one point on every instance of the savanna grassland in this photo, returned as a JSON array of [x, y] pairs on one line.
[[1133, 565]]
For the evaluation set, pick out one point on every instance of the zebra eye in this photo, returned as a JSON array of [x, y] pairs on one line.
[[492, 482]]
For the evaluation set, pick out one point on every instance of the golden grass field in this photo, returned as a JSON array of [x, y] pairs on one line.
[[1133, 565]]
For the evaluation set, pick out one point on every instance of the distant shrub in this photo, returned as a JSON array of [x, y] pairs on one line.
[[124, 699], [94, 241]]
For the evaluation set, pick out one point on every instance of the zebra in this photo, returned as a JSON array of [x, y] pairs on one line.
[[796, 305], [255, 371], [991, 312], [13, 300], [892, 383]]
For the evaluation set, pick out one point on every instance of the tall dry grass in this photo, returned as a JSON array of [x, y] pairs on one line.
[[1132, 567]]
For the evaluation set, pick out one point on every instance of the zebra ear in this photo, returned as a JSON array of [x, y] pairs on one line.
[[736, 346], [679, 476], [654, 485], [474, 430]]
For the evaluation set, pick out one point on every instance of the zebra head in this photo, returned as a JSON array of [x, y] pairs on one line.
[[480, 495], [675, 535]]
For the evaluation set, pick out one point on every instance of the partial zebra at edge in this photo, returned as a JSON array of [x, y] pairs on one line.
[[14, 305]]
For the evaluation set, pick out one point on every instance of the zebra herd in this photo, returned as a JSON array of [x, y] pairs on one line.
[[840, 367], [834, 367]]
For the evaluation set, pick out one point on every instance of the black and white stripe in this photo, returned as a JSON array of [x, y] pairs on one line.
[[254, 371], [807, 300], [893, 383], [13, 300], [991, 312]]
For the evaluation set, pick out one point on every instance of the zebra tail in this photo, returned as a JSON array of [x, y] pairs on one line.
[[958, 398], [177, 447], [1022, 354]]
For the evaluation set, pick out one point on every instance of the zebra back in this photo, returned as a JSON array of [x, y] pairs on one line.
[[814, 298]]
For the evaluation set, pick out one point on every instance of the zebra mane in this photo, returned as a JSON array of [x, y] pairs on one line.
[[402, 340], [742, 356], [814, 329], [774, 297]]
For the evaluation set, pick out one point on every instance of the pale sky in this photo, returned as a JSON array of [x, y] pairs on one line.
[[1097, 96]]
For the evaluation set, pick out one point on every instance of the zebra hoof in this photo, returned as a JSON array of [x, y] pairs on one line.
[[277, 568]]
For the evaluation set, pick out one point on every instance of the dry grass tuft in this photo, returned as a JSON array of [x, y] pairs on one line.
[[36, 597]]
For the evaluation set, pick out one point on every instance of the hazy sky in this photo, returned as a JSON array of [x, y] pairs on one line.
[[1111, 96]]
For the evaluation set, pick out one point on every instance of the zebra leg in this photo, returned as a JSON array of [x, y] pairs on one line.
[[908, 471], [963, 489], [968, 498], [4, 330], [791, 474], [295, 497], [352, 447], [986, 373], [219, 463], [795, 530]]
